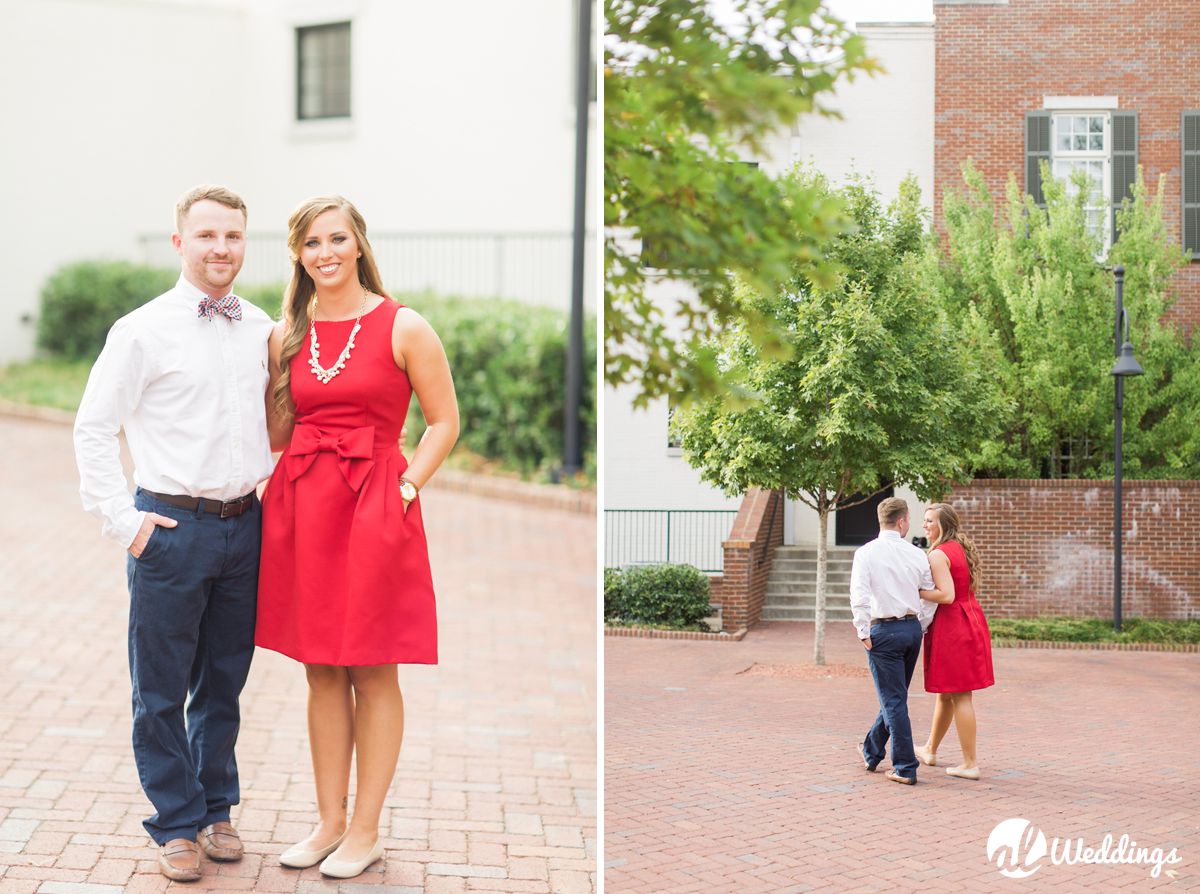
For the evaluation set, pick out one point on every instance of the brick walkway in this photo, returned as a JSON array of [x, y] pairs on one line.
[[724, 779], [496, 784]]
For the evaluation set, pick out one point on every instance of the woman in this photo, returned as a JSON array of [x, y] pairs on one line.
[[344, 584], [958, 645]]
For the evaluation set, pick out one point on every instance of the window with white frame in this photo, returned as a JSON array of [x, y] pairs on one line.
[[1081, 142]]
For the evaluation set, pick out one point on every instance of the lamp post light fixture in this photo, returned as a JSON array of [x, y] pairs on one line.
[[1126, 365]]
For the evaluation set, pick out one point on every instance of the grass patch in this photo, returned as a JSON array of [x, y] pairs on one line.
[[1095, 630], [45, 383]]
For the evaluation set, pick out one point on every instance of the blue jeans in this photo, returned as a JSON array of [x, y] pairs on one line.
[[892, 657], [192, 599]]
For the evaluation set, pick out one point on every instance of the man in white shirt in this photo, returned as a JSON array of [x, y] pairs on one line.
[[890, 616], [186, 375]]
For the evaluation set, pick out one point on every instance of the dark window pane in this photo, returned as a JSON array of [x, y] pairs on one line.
[[323, 71]]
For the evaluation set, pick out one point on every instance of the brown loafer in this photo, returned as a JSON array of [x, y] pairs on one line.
[[179, 860], [221, 842]]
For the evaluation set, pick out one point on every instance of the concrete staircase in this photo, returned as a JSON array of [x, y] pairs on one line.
[[792, 586]]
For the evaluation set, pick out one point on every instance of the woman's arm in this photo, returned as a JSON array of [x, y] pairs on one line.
[[419, 352], [943, 592], [279, 430]]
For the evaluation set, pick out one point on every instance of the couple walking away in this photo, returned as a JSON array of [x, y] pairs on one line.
[[330, 569], [898, 592]]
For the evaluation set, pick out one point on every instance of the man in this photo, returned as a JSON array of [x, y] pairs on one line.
[[185, 375], [885, 583]]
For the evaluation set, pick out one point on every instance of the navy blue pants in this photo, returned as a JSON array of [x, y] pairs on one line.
[[192, 598], [892, 657]]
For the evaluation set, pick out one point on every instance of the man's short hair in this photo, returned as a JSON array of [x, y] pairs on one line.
[[221, 194], [891, 511]]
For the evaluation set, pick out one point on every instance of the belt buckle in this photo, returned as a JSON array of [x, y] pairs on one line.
[[231, 505]]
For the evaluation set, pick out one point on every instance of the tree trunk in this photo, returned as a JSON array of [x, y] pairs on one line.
[[822, 556]]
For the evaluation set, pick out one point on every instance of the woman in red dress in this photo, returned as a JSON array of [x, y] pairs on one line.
[[344, 584], [958, 645]]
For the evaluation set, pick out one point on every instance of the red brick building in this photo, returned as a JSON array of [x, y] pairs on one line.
[[1091, 84]]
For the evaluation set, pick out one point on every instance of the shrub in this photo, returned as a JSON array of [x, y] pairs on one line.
[[81, 301], [1095, 630], [269, 297], [667, 595], [508, 358], [509, 365]]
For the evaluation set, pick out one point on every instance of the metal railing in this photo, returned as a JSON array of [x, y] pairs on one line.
[[532, 267], [679, 536]]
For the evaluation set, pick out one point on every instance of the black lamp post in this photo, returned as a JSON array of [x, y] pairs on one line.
[[1126, 365]]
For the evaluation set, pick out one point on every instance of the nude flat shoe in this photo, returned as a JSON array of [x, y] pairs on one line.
[[349, 868], [928, 758], [296, 857], [971, 773]]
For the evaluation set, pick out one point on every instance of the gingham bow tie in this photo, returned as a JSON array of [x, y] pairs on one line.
[[230, 305]]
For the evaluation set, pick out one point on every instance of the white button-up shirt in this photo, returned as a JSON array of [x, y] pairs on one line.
[[190, 394], [884, 580]]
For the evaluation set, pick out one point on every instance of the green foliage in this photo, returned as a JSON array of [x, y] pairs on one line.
[[662, 595], [268, 298], [81, 301], [508, 358], [880, 386], [45, 382], [1095, 630], [509, 365], [682, 93], [1041, 308]]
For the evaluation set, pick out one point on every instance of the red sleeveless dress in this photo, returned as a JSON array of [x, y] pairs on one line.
[[344, 577], [958, 645]]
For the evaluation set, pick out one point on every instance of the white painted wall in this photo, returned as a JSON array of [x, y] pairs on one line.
[[462, 121], [887, 130]]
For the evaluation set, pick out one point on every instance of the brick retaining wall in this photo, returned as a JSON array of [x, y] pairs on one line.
[[742, 586], [1046, 547]]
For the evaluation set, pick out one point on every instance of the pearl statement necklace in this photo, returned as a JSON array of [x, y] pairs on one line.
[[324, 376]]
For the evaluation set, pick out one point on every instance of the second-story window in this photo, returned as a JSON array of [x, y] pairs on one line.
[[323, 71], [1081, 143]]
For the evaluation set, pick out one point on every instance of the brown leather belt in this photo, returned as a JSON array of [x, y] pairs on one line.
[[223, 509], [886, 620]]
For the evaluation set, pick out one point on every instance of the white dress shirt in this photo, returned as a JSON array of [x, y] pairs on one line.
[[884, 580], [189, 393]]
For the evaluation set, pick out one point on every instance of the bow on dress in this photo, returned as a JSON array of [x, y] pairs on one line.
[[355, 451]]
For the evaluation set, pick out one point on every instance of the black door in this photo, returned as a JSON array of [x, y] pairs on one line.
[[858, 524]]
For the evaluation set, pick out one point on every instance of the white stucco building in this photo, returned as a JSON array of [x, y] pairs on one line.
[[454, 122], [886, 132]]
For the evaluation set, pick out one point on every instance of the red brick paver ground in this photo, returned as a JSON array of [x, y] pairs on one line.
[[723, 780], [496, 785]]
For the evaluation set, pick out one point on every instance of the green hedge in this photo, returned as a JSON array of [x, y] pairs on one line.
[[509, 365], [508, 358], [1095, 630], [663, 595], [81, 301]]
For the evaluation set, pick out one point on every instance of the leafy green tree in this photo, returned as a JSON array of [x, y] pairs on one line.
[[682, 93], [1047, 305], [880, 388]]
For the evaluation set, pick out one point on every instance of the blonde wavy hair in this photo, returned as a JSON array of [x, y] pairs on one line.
[[951, 530], [301, 290]]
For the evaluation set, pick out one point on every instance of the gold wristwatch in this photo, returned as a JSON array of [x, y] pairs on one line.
[[408, 490]]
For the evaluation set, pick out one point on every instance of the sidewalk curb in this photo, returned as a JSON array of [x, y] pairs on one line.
[[653, 633], [1113, 647], [546, 496]]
